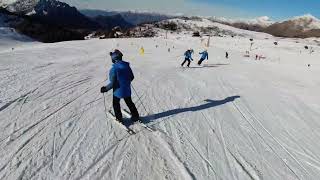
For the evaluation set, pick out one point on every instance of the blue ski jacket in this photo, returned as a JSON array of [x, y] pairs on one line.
[[188, 55], [204, 55], [120, 77]]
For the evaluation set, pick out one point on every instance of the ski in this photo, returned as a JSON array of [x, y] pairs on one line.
[[128, 129], [146, 127], [128, 115]]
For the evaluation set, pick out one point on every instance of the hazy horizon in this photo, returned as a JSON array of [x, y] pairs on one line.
[[235, 9]]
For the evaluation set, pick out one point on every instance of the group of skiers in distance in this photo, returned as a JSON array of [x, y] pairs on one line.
[[204, 56], [188, 57]]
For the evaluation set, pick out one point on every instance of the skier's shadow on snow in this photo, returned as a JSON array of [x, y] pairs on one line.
[[219, 64], [209, 66], [199, 67], [215, 65], [209, 104]]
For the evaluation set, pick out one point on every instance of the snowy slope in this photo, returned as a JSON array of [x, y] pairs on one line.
[[232, 119], [8, 36], [198, 24]]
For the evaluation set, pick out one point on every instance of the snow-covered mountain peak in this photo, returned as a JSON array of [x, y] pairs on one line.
[[263, 21], [28, 6], [305, 17], [206, 26], [4, 3], [306, 22], [20, 6]]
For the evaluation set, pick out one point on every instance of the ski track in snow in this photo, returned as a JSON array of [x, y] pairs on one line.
[[230, 119]]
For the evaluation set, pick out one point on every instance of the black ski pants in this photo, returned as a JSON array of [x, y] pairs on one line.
[[185, 60], [200, 61], [131, 106]]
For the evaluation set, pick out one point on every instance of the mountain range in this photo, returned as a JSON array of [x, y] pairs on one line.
[[298, 27], [133, 17], [52, 21], [51, 12]]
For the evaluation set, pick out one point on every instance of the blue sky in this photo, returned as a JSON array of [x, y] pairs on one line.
[[276, 9]]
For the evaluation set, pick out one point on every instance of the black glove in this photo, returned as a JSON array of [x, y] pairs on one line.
[[103, 89]]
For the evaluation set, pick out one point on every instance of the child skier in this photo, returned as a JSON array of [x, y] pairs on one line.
[[204, 56], [120, 77], [187, 57]]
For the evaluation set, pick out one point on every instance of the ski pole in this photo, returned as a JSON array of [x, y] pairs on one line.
[[105, 107], [139, 99]]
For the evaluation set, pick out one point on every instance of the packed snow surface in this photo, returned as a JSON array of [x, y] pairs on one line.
[[236, 118]]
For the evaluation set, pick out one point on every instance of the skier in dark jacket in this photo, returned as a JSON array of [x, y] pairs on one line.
[[187, 57], [204, 56], [120, 77]]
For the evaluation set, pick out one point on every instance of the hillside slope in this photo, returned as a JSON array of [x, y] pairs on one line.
[[8, 36], [229, 119]]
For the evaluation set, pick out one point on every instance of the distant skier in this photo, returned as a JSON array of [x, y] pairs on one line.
[[120, 77], [227, 55], [187, 57], [204, 56]]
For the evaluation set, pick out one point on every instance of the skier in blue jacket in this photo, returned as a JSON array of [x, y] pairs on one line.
[[187, 57], [204, 56], [120, 77]]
